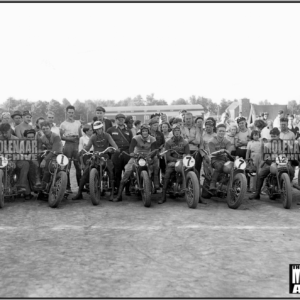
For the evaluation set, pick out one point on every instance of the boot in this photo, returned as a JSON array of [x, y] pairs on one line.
[[214, 179], [156, 181], [38, 183], [111, 196], [127, 190], [259, 184], [79, 195], [163, 198], [119, 196]]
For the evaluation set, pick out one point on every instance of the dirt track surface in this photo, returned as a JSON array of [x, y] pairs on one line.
[[126, 250]]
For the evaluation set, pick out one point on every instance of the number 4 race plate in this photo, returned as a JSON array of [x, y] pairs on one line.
[[188, 161], [62, 160]]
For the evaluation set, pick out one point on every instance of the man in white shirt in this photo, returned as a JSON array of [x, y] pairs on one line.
[[70, 132], [285, 133]]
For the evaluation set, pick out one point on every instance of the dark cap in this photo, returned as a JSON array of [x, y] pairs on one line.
[[280, 112], [26, 113], [16, 113], [129, 119], [28, 131], [100, 108], [242, 119], [120, 116], [275, 131]]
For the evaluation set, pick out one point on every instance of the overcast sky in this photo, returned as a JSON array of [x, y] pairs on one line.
[[114, 51]]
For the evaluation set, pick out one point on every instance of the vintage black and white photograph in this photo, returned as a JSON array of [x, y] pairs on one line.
[[149, 150]]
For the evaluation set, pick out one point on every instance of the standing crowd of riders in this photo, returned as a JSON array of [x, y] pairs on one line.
[[186, 134]]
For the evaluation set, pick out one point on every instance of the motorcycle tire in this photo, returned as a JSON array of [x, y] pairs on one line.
[[234, 201], [146, 192], [205, 187], [287, 194], [193, 190], [1, 190], [94, 186], [60, 186]]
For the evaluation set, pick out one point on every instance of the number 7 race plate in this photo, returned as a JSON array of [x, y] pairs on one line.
[[188, 161]]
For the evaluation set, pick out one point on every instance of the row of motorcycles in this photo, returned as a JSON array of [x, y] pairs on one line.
[[184, 182]]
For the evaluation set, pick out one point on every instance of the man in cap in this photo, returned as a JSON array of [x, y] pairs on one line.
[[100, 114], [17, 118], [141, 143], [19, 129], [100, 140], [34, 174], [122, 136], [160, 141], [215, 144], [276, 122], [181, 146]]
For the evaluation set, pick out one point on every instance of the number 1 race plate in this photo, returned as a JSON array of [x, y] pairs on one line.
[[188, 161], [62, 160]]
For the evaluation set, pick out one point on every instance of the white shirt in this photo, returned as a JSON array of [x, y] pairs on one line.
[[276, 123], [265, 133], [83, 141], [70, 128]]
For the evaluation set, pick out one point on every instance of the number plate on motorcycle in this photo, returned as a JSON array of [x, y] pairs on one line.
[[281, 160], [3, 162], [188, 161], [142, 162], [62, 160], [240, 164]]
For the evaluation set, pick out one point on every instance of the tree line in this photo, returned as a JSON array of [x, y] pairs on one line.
[[85, 110]]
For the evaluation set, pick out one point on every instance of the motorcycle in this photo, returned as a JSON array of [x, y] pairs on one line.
[[140, 179], [58, 168], [98, 180], [278, 181], [8, 180], [232, 182], [184, 181]]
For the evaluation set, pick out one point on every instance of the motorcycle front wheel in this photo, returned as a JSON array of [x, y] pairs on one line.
[[286, 191], [192, 193], [237, 192], [57, 191], [146, 192], [1, 190], [94, 186]]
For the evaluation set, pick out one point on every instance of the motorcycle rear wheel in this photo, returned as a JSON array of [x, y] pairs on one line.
[[57, 191], [94, 187], [193, 190], [286, 191], [146, 192]]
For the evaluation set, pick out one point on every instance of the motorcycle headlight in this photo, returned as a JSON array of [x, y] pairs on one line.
[[142, 162]]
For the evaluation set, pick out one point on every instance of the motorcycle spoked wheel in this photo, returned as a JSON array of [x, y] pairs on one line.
[[57, 191], [1, 189], [146, 185], [286, 191], [237, 192], [94, 186], [192, 193]]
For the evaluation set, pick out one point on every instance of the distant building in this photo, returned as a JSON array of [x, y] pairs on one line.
[[252, 111], [143, 113]]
